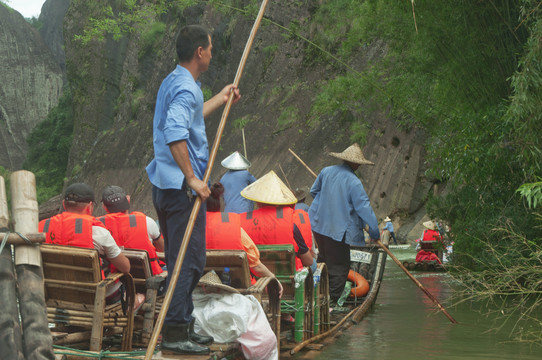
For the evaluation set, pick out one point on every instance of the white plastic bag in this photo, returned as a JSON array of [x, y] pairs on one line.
[[259, 341], [222, 316], [234, 317]]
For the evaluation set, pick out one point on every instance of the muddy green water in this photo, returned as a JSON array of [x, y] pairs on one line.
[[403, 325]]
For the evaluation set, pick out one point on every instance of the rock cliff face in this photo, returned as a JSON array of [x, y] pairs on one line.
[[31, 85], [115, 84], [51, 16]]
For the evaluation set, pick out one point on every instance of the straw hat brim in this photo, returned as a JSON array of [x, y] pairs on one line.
[[352, 154], [269, 189], [211, 280], [430, 225]]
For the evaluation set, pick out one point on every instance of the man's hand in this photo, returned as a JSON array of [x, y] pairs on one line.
[[199, 187], [220, 99], [226, 93]]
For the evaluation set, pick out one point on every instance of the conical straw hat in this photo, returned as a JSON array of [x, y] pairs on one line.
[[387, 218], [352, 154], [211, 280], [430, 225], [269, 189], [235, 161]]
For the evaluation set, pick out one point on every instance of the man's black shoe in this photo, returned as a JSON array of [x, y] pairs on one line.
[[195, 337], [176, 340]]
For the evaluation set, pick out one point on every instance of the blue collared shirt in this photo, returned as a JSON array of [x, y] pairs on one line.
[[178, 116], [234, 181], [302, 206], [388, 226], [341, 207]]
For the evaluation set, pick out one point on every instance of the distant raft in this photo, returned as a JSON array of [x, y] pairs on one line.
[[424, 266]]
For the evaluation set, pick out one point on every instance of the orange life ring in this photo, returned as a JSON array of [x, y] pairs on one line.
[[361, 286]]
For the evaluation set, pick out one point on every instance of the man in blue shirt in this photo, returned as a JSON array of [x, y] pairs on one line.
[[236, 179], [301, 195], [181, 154], [339, 213], [389, 227]]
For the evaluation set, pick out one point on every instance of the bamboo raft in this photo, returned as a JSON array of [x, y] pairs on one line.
[[368, 261], [74, 302]]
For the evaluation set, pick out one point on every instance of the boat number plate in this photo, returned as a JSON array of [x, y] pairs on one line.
[[360, 256]]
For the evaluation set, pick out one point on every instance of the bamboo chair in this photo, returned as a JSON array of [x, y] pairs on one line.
[[280, 259], [75, 294], [321, 301], [265, 290], [148, 284]]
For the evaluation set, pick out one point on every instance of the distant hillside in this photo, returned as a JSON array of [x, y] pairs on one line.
[[31, 85]]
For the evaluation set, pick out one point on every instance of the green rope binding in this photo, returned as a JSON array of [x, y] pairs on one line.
[[106, 354]]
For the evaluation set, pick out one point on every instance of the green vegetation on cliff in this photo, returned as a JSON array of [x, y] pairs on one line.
[[469, 74], [49, 146]]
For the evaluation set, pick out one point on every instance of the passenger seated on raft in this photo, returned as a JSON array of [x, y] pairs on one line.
[[273, 222], [132, 230], [77, 227], [431, 240], [224, 232]]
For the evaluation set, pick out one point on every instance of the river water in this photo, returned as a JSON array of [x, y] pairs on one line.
[[403, 324]]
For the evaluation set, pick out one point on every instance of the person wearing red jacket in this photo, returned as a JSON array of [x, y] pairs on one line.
[[274, 221], [77, 227], [131, 230], [430, 244], [224, 232]]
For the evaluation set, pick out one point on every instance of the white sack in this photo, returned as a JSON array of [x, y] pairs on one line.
[[234, 317]]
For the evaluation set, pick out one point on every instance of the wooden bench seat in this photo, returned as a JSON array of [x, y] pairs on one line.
[[148, 284], [265, 290], [75, 293]]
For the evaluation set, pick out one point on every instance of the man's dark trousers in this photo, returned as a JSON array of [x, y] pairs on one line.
[[336, 255], [173, 208]]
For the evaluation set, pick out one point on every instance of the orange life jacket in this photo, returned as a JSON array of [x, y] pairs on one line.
[[70, 229], [223, 231], [271, 225], [431, 236], [130, 231], [429, 239], [301, 219]]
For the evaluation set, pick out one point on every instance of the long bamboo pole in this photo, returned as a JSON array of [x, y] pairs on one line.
[[285, 178], [4, 213], [244, 142], [11, 346], [302, 162], [197, 203], [16, 239], [37, 339], [429, 295]]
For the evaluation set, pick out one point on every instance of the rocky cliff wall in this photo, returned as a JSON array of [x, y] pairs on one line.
[[115, 84], [51, 17], [31, 84]]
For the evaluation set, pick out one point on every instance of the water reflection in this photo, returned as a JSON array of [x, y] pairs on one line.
[[404, 324]]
